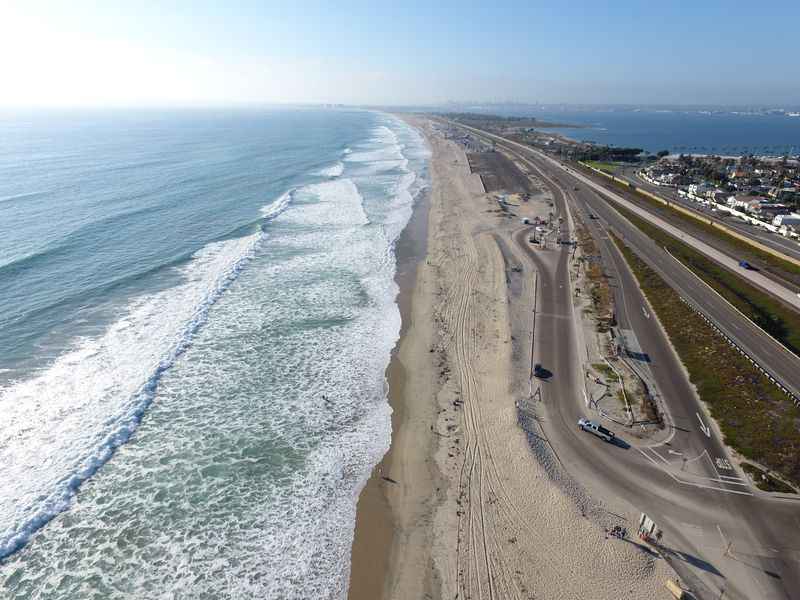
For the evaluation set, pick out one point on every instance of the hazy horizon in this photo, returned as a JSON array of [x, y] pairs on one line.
[[355, 53]]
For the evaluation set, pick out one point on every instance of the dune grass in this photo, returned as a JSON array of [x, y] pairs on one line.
[[755, 417], [778, 320]]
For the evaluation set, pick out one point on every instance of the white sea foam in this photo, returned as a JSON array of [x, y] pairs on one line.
[[272, 210], [335, 170], [339, 204], [243, 480], [381, 153], [64, 424], [403, 203]]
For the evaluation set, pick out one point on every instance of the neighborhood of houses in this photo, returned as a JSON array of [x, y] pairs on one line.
[[761, 191]]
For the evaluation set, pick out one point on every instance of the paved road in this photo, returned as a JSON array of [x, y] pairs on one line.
[[778, 289], [774, 241], [688, 486], [721, 535], [764, 349], [769, 353]]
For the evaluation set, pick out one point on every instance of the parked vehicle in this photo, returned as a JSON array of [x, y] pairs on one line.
[[595, 428]]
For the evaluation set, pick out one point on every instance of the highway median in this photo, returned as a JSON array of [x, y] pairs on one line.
[[779, 321], [756, 418], [697, 224]]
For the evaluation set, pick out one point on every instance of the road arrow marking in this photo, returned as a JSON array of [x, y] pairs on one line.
[[703, 427], [646, 315]]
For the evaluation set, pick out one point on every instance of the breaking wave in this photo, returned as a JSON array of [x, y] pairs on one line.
[[65, 423]]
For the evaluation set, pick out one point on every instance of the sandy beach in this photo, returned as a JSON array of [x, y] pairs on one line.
[[466, 504]]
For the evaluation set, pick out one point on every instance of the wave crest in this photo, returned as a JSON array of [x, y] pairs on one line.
[[63, 425]]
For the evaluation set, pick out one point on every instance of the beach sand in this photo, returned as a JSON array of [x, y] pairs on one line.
[[464, 504]]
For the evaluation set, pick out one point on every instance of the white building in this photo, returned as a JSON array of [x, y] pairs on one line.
[[700, 189], [790, 220], [745, 203]]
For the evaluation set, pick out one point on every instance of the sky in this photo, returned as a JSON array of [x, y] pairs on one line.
[[200, 53]]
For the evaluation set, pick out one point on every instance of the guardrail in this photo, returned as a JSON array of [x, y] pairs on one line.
[[743, 352]]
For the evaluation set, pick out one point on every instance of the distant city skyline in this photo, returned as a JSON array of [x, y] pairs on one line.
[[202, 53]]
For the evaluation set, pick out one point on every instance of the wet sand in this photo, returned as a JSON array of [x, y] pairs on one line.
[[464, 504], [375, 523]]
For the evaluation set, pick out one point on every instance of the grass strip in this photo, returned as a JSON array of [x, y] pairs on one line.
[[755, 417], [765, 481], [770, 314], [609, 168], [598, 282], [744, 250]]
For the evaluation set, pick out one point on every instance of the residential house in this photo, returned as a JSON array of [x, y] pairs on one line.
[[745, 202], [770, 210], [700, 189]]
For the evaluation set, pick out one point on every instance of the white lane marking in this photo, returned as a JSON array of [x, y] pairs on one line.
[[728, 482], [691, 483], [703, 454], [676, 453], [725, 542], [713, 464], [718, 489], [703, 427], [666, 462], [655, 463], [722, 463]]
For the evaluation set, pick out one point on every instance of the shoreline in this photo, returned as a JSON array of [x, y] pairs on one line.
[[469, 499], [375, 528]]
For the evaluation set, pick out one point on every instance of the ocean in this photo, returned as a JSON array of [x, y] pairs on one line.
[[197, 309]]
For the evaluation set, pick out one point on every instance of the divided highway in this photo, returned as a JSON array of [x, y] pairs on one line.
[[755, 277], [724, 538], [770, 354], [760, 346], [777, 242], [758, 279]]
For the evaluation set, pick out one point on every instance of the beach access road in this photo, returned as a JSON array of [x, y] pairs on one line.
[[767, 352], [497, 522], [722, 536]]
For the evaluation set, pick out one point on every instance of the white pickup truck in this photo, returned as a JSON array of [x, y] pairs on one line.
[[595, 428]]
